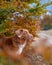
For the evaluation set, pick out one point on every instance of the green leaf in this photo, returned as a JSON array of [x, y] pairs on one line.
[[46, 4], [31, 1]]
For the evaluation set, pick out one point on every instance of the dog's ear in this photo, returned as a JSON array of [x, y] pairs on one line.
[[19, 32]]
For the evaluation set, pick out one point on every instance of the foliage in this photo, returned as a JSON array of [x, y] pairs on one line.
[[5, 14], [5, 61], [8, 7], [26, 23], [37, 10], [20, 5], [6, 28]]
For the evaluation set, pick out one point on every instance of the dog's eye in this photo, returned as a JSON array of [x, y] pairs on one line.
[[21, 30]]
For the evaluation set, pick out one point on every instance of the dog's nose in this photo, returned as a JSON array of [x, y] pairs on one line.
[[30, 36]]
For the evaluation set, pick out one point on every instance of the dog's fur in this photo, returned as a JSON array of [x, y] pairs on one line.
[[14, 46]]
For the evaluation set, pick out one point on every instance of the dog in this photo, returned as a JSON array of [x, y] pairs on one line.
[[14, 46]]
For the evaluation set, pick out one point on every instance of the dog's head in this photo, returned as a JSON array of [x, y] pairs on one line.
[[23, 35], [15, 45]]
